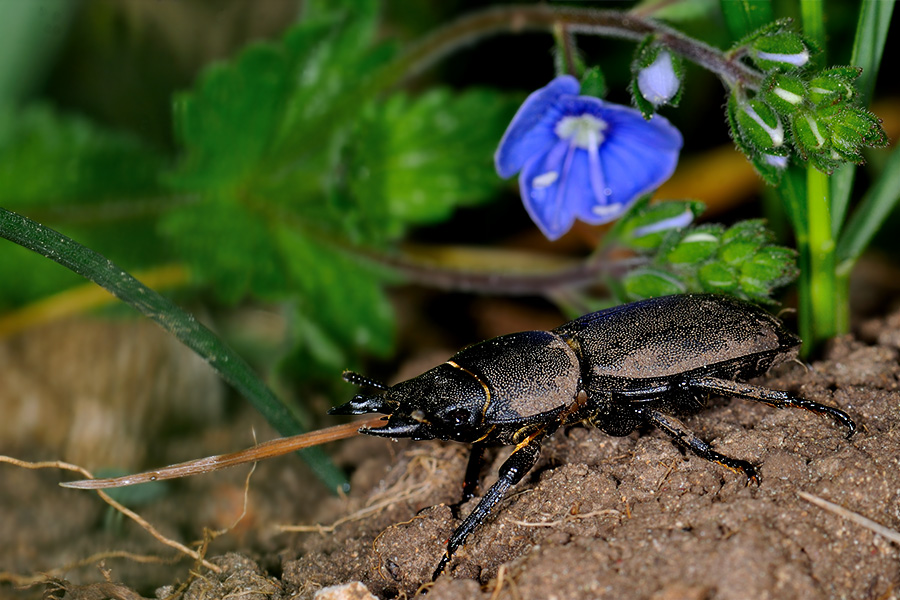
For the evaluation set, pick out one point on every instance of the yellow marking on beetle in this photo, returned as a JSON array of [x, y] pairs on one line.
[[529, 439], [487, 391], [486, 433]]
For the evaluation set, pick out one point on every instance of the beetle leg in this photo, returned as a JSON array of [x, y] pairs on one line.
[[512, 471], [686, 439], [776, 398], [473, 471]]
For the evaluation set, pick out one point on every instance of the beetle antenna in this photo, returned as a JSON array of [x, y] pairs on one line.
[[363, 381]]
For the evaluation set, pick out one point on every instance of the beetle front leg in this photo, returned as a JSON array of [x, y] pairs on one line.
[[686, 439], [775, 398], [512, 471], [472, 476]]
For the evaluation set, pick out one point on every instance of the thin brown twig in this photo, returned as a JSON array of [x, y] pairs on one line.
[[58, 464]]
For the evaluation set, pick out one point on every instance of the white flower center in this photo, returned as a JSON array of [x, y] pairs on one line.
[[584, 131]]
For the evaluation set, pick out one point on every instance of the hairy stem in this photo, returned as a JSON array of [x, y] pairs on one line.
[[541, 17], [498, 272]]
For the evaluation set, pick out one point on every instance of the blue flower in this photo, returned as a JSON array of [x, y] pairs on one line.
[[582, 158]]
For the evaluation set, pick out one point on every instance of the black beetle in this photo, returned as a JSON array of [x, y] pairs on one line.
[[615, 369]]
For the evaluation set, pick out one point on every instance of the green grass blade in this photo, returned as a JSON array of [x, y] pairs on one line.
[[744, 16], [868, 48], [224, 360], [875, 207], [813, 17]]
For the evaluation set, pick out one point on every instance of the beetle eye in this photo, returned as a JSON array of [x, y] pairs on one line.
[[458, 416]]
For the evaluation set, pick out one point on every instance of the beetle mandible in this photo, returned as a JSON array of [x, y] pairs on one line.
[[616, 369]]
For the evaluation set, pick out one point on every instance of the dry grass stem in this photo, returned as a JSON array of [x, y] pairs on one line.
[[568, 518], [379, 502], [890, 534]]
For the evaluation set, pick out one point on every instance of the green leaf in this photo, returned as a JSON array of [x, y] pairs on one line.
[[871, 214], [62, 168], [229, 248], [414, 161], [51, 159], [340, 294], [227, 122], [745, 16]]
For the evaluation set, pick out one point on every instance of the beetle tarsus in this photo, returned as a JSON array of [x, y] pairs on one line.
[[776, 398], [685, 438], [511, 472]]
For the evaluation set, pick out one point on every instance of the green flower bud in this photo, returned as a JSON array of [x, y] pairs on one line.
[[697, 246], [738, 251], [754, 230], [760, 126], [770, 267], [811, 135], [646, 229], [593, 83], [783, 50], [833, 86], [851, 129], [651, 283], [717, 277], [785, 93]]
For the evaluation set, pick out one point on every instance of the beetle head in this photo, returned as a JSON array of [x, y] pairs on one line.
[[445, 403]]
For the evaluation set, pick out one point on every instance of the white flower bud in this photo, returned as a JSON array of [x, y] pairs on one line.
[[658, 82]]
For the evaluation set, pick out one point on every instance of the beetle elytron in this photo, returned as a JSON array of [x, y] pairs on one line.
[[616, 369]]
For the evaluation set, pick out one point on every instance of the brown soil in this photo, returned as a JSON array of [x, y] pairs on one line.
[[599, 517]]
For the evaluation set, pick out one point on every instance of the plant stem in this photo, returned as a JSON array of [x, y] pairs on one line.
[[499, 272], [541, 17], [822, 282]]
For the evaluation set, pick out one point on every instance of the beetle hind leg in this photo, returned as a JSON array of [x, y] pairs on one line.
[[775, 398], [685, 438]]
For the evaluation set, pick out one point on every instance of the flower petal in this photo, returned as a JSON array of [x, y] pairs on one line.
[[546, 183], [531, 131], [637, 156]]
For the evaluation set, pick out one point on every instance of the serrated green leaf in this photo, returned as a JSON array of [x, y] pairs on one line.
[[413, 161], [226, 123], [63, 167], [340, 294], [51, 159], [228, 247]]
